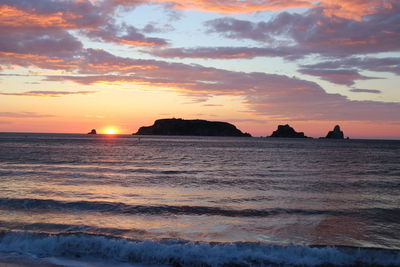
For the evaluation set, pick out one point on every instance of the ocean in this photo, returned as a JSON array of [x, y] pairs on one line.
[[122, 200]]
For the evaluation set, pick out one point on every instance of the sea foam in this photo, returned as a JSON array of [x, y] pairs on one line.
[[183, 253]]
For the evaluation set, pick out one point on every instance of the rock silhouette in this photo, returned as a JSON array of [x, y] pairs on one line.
[[93, 131], [191, 128], [335, 134], [287, 132]]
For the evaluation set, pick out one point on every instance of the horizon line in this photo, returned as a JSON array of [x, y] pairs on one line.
[[253, 136]]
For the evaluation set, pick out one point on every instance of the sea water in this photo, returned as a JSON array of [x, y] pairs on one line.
[[97, 200]]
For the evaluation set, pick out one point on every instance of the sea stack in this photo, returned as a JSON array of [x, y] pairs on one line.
[[191, 128], [93, 131], [335, 134], [287, 132]]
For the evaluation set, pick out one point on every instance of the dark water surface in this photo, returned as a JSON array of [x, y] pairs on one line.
[[61, 195]]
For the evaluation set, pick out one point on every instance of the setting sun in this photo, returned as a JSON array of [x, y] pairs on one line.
[[110, 131]]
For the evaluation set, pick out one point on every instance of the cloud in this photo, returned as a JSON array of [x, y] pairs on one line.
[[34, 33], [346, 71], [247, 120], [354, 9], [369, 91], [316, 31], [313, 32], [225, 6], [124, 34], [16, 15], [155, 28], [48, 93], [48, 43], [212, 105], [277, 96], [38, 33], [22, 115], [32, 82], [338, 76], [351, 9], [389, 64], [223, 52], [307, 101]]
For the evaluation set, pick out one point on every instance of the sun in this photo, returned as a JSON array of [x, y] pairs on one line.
[[111, 131]]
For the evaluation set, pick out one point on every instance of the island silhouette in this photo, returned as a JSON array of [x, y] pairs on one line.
[[191, 128], [335, 134], [93, 131], [287, 132]]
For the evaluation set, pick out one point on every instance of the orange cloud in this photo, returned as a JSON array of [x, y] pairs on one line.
[[227, 6], [354, 9], [350, 9], [13, 17], [42, 61], [49, 93], [137, 43]]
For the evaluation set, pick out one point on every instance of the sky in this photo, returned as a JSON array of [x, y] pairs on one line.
[[68, 66]]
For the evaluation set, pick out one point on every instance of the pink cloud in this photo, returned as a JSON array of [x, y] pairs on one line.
[[351, 9], [338, 76], [22, 115], [369, 91], [225, 6], [223, 52], [47, 14], [313, 103], [276, 96], [315, 33], [389, 64], [40, 42], [35, 33], [123, 34], [48, 93]]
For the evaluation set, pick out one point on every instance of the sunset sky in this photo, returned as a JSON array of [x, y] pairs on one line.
[[72, 65]]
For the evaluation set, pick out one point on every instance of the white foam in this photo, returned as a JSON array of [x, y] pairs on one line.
[[79, 247]]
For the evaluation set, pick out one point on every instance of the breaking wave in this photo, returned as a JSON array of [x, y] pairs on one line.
[[183, 253]]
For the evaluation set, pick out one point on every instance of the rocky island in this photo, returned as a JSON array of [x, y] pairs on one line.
[[93, 131], [287, 132], [335, 134], [191, 128]]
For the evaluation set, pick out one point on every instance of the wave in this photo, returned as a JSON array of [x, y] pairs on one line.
[[89, 171], [122, 208], [64, 228], [184, 253]]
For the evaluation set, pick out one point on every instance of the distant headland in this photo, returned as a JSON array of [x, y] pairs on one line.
[[191, 128]]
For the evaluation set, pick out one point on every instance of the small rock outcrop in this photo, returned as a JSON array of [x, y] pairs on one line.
[[191, 128], [335, 134], [93, 131], [287, 132]]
